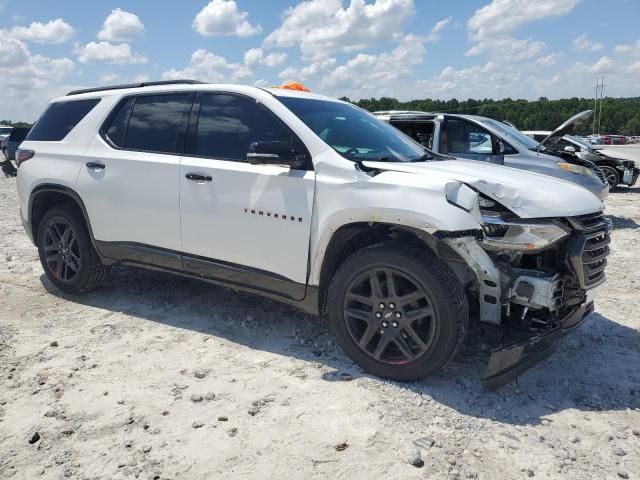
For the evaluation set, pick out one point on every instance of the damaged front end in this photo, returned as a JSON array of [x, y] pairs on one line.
[[536, 279]]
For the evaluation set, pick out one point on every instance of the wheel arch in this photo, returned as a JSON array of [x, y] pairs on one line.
[[355, 236], [46, 196]]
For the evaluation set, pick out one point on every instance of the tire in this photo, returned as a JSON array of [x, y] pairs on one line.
[[66, 253], [611, 175], [435, 313]]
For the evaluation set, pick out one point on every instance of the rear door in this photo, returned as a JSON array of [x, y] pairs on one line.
[[243, 223], [129, 182]]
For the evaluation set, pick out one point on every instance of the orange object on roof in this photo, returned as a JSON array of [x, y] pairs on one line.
[[295, 86]]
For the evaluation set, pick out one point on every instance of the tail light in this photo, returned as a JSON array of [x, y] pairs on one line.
[[23, 156]]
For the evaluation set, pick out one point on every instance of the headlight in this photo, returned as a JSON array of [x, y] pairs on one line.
[[580, 170], [520, 235]]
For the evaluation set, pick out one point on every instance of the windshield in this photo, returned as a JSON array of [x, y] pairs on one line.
[[510, 133], [354, 133]]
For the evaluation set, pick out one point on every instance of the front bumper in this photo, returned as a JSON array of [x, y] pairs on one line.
[[508, 362], [630, 176]]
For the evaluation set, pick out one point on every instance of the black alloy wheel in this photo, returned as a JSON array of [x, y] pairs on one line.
[[389, 315], [397, 310], [62, 250], [66, 251]]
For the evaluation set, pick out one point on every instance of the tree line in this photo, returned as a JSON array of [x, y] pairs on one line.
[[9, 123], [619, 115]]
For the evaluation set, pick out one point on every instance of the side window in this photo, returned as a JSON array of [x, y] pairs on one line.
[[421, 132], [118, 128], [467, 137], [227, 124], [157, 122], [60, 118]]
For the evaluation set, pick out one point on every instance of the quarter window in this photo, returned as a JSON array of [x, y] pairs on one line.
[[60, 118], [157, 123], [228, 124]]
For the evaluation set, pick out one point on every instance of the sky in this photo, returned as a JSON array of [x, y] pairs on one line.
[[405, 49]]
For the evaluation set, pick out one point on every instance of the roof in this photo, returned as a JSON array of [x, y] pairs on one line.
[[417, 114], [185, 85]]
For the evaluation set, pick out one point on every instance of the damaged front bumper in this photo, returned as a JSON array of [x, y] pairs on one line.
[[630, 174], [508, 362]]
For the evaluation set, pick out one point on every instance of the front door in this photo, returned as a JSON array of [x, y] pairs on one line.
[[464, 139], [242, 223]]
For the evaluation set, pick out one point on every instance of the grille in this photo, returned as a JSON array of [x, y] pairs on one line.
[[590, 247]]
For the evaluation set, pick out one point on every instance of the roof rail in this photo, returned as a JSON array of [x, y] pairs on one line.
[[134, 85]]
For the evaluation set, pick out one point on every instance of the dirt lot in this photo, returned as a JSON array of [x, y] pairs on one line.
[[160, 377]]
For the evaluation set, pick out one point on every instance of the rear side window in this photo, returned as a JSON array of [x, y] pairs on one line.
[[60, 118], [157, 122]]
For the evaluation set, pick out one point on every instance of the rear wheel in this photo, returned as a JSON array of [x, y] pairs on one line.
[[66, 253], [611, 175], [397, 311]]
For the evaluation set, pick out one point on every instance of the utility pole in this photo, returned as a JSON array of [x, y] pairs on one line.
[[601, 98], [595, 105]]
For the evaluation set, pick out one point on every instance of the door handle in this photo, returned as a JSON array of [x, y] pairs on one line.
[[198, 177], [96, 165]]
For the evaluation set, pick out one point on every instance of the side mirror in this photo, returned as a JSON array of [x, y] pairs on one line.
[[569, 149], [274, 153]]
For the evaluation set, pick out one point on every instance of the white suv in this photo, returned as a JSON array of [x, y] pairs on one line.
[[314, 202]]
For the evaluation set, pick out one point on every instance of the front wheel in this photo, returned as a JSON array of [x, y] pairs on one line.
[[66, 253], [612, 177], [397, 311]]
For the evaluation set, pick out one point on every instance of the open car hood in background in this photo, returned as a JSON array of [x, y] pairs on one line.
[[568, 126]]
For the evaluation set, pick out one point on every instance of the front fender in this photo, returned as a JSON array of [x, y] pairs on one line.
[[381, 200]]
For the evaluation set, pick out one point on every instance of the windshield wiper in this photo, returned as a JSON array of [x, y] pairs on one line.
[[424, 158]]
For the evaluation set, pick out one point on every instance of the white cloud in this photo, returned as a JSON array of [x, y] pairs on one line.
[[626, 49], [583, 44], [105, 52], [261, 83], [435, 33], [28, 82], [491, 27], [54, 31], [121, 26], [209, 67], [310, 71], [223, 18], [385, 72], [548, 60], [108, 78], [321, 27], [256, 56]]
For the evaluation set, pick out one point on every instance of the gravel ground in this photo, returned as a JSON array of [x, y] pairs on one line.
[[159, 377]]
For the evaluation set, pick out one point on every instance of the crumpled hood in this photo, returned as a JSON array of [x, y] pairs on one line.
[[621, 154], [528, 194]]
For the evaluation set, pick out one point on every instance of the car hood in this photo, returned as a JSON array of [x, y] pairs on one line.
[[620, 154], [568, 126], [528, 194]]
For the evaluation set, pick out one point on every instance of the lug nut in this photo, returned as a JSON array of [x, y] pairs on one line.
[[378, 315], [392, 306], [385, 324], [381, 305], [395, 324], [398, 315]]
